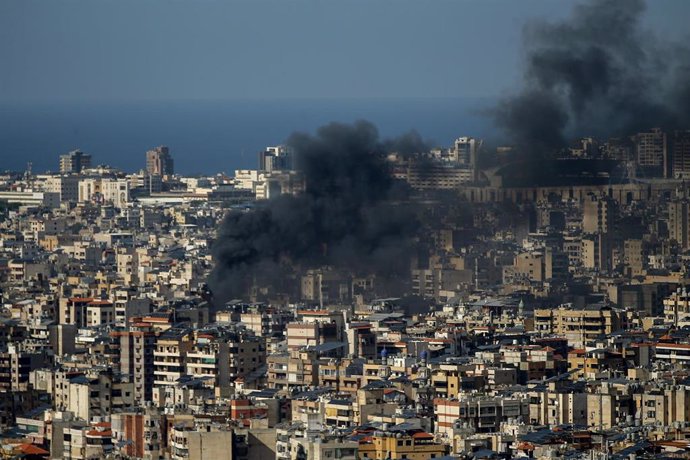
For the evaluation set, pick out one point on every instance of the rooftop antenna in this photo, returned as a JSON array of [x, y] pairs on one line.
[[28, 175]]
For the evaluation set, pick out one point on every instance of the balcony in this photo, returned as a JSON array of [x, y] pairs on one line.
[[173, 354], [201, 356], [166, 364]]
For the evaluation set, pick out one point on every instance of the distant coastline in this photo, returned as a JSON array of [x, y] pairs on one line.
[[211, 136]]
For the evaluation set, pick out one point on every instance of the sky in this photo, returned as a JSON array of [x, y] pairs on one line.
[[112, 50]]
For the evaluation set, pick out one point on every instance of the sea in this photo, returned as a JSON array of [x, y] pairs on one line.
[[209, 137]]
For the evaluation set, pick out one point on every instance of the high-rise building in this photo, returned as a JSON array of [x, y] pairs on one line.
[[159, 162], [598, 214], [652, 152], [170, 355], [74, 162], [678, 222], [137, 345], [599, 225], [278, 158], [680, 150], [466, 151]]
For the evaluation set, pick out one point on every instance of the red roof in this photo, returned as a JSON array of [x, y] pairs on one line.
[[100, 302], [526, 446], [423, 435], [30, 449], [387, 391], [682, 346], [154, 319], [314, 312]]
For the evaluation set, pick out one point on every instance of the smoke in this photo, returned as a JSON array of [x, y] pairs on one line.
[[599, 73], [408, 144], [348, 216]]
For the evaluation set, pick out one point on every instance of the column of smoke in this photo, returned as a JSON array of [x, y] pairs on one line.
[[350, 205], [599, 73]]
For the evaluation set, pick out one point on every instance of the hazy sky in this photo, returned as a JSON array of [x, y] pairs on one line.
[[89, 50]]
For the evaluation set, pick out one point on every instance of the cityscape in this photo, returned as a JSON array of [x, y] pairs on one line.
[[360, 296]]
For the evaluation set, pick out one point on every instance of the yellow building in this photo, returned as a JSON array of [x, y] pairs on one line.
[[446, 380], [587, 364], [412, 445]]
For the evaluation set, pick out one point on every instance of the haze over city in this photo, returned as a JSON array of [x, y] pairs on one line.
[[211, 78]]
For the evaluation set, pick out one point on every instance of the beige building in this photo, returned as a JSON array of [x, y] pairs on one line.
[[67, 187], [484, 413], [343, 375], [170, 355], [598, 212], [438, 176], [556, 406], [87, 442], [633, 257], [100, 313], [159, 162], [677, 307], [578, 325], [137, 344], [294, 369], [412, 445], [530, 266], [315, 327], [89, 396], [608, 404], [16, 365], [74, 162], [595, 251], [104, 191], [326, 286], [315, 443], [200, 443], [665, 405]]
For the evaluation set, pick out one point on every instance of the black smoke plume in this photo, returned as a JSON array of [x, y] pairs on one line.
[[408, 144], [599, 73], [350, 216]]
